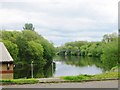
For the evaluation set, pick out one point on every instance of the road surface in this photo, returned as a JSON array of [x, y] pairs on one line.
[[92, 84]]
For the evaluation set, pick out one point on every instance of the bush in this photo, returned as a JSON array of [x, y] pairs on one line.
[[110, 55], [109, 75], [20, 81]]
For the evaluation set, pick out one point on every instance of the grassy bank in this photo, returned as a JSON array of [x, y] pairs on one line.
[[19, 81], [109, 75]]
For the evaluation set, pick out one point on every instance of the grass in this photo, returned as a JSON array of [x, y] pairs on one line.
[[109, 75], [19, 81], [115, 68]]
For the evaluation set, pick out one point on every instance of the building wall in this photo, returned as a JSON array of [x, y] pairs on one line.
[[5, 72]]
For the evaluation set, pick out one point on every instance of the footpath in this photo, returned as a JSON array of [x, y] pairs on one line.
[[94, 84], [51, 80], [59, 80]]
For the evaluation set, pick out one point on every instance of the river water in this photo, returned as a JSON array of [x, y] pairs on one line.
[[62, 66], [72, 65]]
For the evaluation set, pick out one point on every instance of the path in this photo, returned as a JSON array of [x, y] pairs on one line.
[[92, 84], [49, 80]]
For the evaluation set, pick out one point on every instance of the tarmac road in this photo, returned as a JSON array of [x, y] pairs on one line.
[[92, 84]]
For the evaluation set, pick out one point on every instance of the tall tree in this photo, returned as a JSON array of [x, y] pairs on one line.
[[28, 26], [12, 48], [109, 37], [110, 55]]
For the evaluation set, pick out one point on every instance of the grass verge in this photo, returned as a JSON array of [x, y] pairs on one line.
[[109, 75], [19, 81]]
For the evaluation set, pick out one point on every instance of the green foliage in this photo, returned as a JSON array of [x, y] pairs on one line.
[[109, 75], [110, 54], [93, 49], [10, 36], [109, 37], [77, 78], [12, 48], [49, 50], [83, 48], [29, 35], [107, 50], [70, 48], [28, 26], [34, 51], [76, 43], [27, 46], [20, 81], [116, 68]]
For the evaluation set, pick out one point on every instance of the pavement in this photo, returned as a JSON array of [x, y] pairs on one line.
[[50, 80], [90, 84]]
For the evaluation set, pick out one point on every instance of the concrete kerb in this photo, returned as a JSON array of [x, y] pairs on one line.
[[59, 80]]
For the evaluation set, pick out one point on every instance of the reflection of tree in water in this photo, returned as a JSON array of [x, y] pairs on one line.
[[81, 61], [49, 69], [24, 70]]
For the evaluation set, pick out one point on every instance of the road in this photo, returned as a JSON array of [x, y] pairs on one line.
[[93, 84]]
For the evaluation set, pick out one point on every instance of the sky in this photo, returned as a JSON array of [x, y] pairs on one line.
[[62, 21]]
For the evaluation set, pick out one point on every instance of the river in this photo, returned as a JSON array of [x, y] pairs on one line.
[[72, 65], [62, 66]]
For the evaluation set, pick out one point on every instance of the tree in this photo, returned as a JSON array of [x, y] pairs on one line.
[[26, 46], [28, 26], [10, 35], [29, 35], [34, 52], [110, 55], [106, 38], [49, 50], [75, 51], [95, 49], [109, 37], [12, 48], [83, 50]]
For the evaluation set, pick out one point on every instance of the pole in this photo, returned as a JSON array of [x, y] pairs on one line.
[[32, 69], [52, 68]]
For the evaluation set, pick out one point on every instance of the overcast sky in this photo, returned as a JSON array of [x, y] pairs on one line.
[[62, 21]]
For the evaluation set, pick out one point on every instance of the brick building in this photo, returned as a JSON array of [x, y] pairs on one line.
[[6, 63]]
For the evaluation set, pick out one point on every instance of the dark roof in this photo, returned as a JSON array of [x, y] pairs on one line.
[[4, 54]]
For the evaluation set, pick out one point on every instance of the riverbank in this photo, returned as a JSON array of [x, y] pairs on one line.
[[103, 76], [65, 79]]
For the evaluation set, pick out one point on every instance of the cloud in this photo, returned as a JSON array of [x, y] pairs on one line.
[[62, 20]]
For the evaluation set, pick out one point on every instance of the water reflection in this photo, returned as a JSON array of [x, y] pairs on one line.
[[61, 66], [49, 70], [72, 65], [79, 61], [24, 70]]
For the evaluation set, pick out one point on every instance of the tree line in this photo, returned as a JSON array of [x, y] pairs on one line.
[[27, 45], [106, 49]]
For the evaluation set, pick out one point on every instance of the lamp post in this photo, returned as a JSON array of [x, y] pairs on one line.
[[52, 69], [32, 69]]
